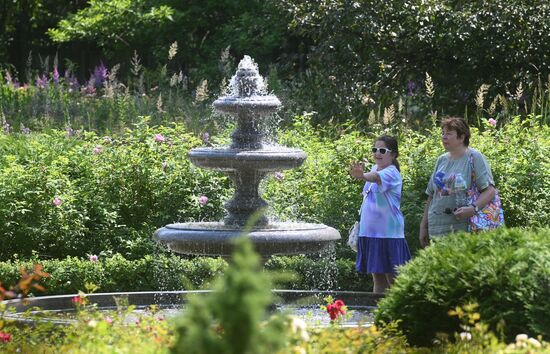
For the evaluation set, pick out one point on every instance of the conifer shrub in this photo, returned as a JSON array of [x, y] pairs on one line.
[[506, 272]]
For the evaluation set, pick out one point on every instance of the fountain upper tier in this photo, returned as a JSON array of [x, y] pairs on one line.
[[262, 160]]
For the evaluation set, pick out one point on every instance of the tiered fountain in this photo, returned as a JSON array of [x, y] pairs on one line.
[[247, 161]]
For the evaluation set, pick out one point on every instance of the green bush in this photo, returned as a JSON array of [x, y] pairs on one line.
[[364, 55], [112, 193], [112, 201], [506, 272], [170, 272], [113, 274]]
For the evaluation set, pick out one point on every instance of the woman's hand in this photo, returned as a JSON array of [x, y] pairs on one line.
[[464, 212], [357, 170]]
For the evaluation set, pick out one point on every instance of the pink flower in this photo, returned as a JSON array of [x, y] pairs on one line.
[[203, 200], [159, 138], [78, 300], [108, 319], [279, 176], [93, 258], [492, 122], [57, 201], [97, 150], [5, 337]]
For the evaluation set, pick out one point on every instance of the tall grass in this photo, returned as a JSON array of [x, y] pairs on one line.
[[105, 103]]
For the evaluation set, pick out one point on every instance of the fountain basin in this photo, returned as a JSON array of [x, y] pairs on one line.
[[262, 160], [261, 104], [60, 310], [215, 238]]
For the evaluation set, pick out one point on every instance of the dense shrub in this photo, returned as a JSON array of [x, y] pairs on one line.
[[112, 274], [113, 200], [506, 272], [170, 272], [86, 194], [363, 55]]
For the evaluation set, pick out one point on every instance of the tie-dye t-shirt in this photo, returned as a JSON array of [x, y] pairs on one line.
[[441, 221], [380, 213]]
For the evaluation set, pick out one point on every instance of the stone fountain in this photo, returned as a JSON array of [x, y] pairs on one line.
[[247, 161]]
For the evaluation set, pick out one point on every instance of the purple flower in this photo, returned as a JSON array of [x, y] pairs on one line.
[[89, 89], [492, 121], [71, 80], [41, 81], [411, 87], [6, 127], [206, 137], [99, 76], [97, 150], [279, 176], [24, 130], [203, 200], [159, 138], [57, 201], [70, 132], [93, 258], [55, 75]]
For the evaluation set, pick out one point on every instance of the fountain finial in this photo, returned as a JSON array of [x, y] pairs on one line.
[[247, 81]]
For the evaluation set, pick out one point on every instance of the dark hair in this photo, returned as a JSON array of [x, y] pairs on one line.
[[459, 126], [391, 143]]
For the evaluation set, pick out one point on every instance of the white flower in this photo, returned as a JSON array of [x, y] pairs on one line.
[[466, 336], [521, 337], [535, 343], [299, 326]]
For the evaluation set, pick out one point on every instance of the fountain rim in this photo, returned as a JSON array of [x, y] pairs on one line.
[[64, 303]]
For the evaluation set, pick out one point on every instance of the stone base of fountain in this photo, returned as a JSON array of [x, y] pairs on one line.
[[215, 238]]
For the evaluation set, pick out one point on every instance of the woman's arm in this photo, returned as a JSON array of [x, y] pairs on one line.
[[423, 236], [484, 198], [357, 171]]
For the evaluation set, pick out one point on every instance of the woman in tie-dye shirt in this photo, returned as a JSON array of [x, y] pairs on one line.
[[381, 245]]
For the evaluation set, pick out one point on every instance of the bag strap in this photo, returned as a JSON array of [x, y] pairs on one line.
[[473, 185], [365, 194]]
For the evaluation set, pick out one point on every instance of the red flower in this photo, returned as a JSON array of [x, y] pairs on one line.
[[336, 309], [5, 337], [78, 300]]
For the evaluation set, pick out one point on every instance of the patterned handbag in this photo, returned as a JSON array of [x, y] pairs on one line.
[[491, 215]]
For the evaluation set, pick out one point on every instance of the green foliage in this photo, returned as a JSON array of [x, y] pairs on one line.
[[505, 271], [364, 55], [113, 274], [113, 200], [112, 192], [169, 272], [204, 29], [230, 319]]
